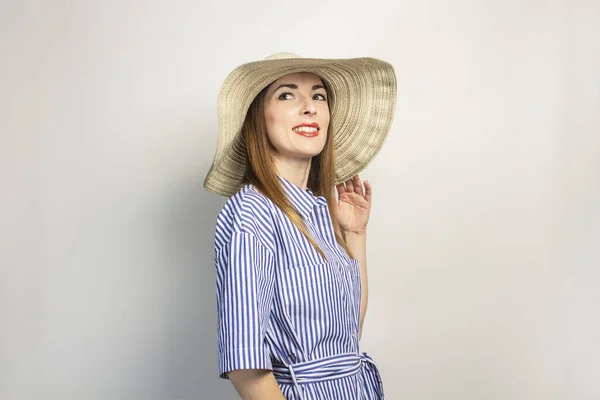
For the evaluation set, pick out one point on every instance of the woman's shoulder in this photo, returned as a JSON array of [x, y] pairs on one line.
[[247, 211], [248, 200]]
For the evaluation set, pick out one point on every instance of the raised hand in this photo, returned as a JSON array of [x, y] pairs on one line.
[[354, 205]]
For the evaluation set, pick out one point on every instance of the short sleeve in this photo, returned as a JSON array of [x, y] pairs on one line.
[[245, 284]]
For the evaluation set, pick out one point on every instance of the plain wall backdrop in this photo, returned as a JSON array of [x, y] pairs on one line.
[[483, 266]]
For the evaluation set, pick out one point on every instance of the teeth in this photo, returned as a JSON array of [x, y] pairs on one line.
[[305, 129]]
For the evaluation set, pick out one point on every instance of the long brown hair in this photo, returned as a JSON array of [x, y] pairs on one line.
[[261, 171]]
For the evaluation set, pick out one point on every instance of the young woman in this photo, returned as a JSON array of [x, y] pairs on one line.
[[291, 257]]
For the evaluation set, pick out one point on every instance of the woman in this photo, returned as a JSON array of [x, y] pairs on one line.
[[290, 257]]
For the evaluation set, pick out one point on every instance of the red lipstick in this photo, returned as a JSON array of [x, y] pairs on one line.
[[307, 129]]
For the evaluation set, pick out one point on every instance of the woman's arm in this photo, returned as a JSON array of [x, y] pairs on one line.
[[357, 243], [354, 207], [255, 384]]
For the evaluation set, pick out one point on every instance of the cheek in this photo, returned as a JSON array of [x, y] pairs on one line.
[[327, 123], [273, 119], [269, 120], [270, 125], [325, 115]]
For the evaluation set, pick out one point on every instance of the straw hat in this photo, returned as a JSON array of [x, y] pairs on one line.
[[362, 103]]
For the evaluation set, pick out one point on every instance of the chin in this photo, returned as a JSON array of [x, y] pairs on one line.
[[311, 153], [299, 153]]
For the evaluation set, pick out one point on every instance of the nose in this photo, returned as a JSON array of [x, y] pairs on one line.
[[309, 107]]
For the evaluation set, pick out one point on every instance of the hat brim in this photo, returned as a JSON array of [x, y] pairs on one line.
[[363, 103]]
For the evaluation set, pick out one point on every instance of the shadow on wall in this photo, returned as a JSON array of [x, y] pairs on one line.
[[189, 354]]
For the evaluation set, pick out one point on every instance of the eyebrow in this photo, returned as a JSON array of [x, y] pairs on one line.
[[294, 86]]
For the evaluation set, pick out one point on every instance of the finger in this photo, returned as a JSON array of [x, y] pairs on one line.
[[358, 187], [349, 185], [341, 188], [368, 191]]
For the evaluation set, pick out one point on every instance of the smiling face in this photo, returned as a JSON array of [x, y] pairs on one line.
[[296, 117]]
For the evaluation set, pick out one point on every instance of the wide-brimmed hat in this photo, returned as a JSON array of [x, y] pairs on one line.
[[362, 101]]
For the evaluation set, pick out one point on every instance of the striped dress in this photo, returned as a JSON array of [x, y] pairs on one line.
[[282, 307]]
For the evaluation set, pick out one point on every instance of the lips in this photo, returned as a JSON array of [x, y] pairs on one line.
[[308, 130]]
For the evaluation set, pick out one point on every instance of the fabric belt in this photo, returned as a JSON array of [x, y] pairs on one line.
[[326, 368]]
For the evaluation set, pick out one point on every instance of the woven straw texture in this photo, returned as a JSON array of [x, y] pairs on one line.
[[362, 103]]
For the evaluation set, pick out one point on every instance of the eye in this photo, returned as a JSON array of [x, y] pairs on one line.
[[285, 96], [320, 96]]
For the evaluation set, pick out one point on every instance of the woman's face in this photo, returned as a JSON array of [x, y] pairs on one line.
[[297, 116]]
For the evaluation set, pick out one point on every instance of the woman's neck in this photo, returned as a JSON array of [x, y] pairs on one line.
[[295, 171]]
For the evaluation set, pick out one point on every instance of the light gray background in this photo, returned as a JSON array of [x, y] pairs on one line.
[[483, 263]]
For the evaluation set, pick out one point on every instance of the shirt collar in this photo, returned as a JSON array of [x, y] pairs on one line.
[[304, 200]]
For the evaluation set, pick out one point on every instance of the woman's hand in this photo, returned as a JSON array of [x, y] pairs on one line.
[[354, 205]]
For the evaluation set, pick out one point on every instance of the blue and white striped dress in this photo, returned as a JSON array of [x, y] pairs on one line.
[[282, 307]]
